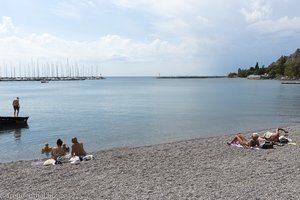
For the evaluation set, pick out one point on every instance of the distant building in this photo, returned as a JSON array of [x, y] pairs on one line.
[[258, 77], [254, 77]]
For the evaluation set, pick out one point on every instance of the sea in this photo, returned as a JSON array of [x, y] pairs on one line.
[[137, 111]]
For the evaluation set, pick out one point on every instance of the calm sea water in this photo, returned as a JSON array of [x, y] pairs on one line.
[[118, 112]]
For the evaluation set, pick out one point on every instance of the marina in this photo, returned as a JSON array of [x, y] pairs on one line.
[[47, 79], [49, 71]]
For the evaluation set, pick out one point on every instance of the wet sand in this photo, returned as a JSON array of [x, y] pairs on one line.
[[194, 169]]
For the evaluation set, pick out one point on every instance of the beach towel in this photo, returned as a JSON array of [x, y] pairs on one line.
[[64, 159], [284, 139], [88, 157], [49, 162], [75, 160], [289, 140], [236, 145], [241, 146]]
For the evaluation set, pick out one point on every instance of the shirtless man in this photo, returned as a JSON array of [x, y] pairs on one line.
[[59, 150], [16, 106], [274, 137], [77, 148]]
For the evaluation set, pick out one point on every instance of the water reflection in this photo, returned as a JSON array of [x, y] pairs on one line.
[[17, 134], [17, 131]]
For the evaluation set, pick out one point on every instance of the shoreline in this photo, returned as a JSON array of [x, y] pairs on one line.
[[202, 168], [261, 130]]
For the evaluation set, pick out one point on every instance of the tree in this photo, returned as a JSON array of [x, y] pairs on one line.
[[288, 66], [256, 66], [281, 63], [289, 70], [232, 75]]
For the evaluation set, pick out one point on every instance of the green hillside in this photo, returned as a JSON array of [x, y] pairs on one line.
[[286, 66]]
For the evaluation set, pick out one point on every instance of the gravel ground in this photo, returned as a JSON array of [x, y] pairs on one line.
[[194, 169]]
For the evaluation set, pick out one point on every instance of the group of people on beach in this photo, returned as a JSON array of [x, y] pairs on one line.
[[257, 140], [62, 149]]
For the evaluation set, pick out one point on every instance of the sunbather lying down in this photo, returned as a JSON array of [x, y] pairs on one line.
[[242, 140], [274, 136], [256, 140]]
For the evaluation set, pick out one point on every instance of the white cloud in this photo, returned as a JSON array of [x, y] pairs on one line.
[[278, 30], [264, 22], [178, 19], [116, 50], [7, 26], [151, 36], [181, 44], [91, 4], [72, 9], [111, 49], [258, 10], [282, 24]]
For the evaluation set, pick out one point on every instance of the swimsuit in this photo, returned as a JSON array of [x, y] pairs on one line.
[[268, 134]]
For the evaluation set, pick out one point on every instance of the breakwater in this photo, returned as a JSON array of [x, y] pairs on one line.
[[187, 77]]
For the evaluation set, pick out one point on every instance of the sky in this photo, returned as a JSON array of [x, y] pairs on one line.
[[149, 37]]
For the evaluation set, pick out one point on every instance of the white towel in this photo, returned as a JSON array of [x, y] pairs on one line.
[[49, 162], [75, 160]]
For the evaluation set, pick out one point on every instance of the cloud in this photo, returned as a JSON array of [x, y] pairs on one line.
[[151, 36], [72, 9], [258, 10], [284, 25], [276, 26], [114, 50], [181, 38], [179, 22], [7, 26]]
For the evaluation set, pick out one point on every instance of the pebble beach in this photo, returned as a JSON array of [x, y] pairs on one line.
[[203, 168]]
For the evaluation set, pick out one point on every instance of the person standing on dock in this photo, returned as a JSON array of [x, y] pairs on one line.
[[16, 106]]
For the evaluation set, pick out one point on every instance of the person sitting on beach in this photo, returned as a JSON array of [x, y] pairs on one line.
[[240, 139], [274, 137], [77, 148], [58, 151], [46, 149]]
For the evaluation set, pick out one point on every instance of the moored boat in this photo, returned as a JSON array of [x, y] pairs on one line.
[[290, 82], [13, 121]]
